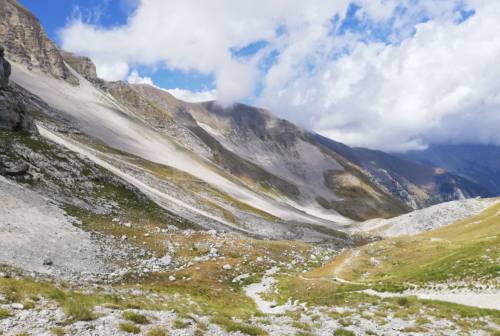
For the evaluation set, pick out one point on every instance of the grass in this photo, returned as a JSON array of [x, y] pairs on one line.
[[466, 250], [180, 324], [343, 332], [4, 313], [301, 325], [76, 306], [231, 326], [156, 332], [58, 331], [129, 328], [135, 317], [328, 293]]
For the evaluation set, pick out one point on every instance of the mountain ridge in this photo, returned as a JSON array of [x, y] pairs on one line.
[[271, 157]]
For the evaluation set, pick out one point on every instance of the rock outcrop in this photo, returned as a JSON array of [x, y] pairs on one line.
[[14, 114], [4, 70], [28, 44], [83, 65]]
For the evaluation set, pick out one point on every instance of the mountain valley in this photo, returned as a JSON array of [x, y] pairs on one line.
[[128, 211]]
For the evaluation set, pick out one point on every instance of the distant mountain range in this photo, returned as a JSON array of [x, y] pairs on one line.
[[477, 163]]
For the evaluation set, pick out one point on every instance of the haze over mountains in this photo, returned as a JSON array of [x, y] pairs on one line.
[[127, 210]]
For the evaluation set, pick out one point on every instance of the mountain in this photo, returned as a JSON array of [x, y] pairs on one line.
[[253, 167], [477, 163], [416, 184], [127, 211]]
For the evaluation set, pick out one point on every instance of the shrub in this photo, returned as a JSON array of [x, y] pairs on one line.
[[130, 328], [156, 332], [343, 332], [4, 313], [134, 317]]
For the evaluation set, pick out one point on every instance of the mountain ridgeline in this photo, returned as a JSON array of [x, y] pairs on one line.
[[239, 167]]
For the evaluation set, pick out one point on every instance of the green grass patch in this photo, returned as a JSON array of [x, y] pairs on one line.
[[5, 313], [129, 328], [157, 332], [135, 317], [231, 326], [180, 324], [343, 332]]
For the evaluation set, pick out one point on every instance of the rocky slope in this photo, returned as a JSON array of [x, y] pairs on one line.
[[425, 219], [416, 184], [271, 157]]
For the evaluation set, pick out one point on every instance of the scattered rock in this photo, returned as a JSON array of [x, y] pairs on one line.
[[48, 262], [17, 306]]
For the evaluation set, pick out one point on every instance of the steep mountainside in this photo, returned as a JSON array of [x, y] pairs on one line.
[[416, 184], [478, 163], [245, 153]]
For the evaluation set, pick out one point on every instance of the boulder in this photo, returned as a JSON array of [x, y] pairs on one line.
[[14, 114], [16, 170], [4, 70]]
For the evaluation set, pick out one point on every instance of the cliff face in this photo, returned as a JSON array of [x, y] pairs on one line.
[[27, 43], [81, 64], [14, 114]]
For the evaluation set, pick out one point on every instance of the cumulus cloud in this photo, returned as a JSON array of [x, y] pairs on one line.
[[135, 78], [438, 85], [193, 97], [387, 74], [195, 35]]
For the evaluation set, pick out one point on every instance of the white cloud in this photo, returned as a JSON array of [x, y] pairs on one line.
[[196, 35], [440, 85], [193, 97], [135, 78], [436, 81]]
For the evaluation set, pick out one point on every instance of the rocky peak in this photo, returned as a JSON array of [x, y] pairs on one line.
[[81, 64], [27, 43]]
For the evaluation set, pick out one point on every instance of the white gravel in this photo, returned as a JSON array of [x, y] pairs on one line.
[[33, 230], [266, 284], [426, 219], [487, 299]]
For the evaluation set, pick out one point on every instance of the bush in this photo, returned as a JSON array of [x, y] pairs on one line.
[[4, 313], [180, 324], [403, 301], [130, 328], [78, 311], [134, 317], [156, 332]]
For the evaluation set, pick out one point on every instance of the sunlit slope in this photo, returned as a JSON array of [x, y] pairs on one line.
[[468, 250], [102, 118]]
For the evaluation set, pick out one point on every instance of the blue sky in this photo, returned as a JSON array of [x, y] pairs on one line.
[[54, 13]]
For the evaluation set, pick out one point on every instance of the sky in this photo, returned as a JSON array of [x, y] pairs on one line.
[[394, 75]]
